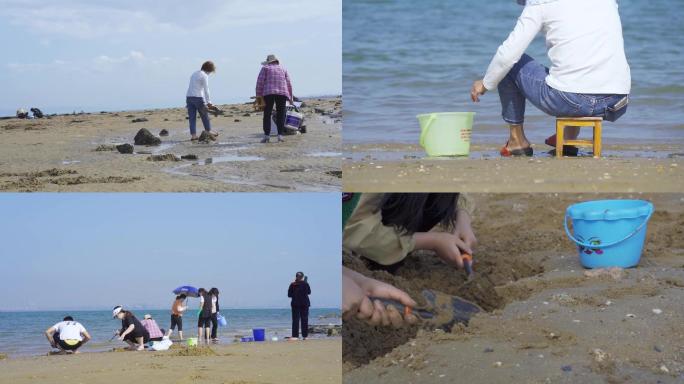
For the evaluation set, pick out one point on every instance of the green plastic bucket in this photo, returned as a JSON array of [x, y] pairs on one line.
[[446, 133]]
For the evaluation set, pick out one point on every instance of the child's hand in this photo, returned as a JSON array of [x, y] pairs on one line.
[[448, 246], [464, 230], [357, 293]]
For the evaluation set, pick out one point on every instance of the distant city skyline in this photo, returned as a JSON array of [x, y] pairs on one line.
[[132, 55], [94, 251]]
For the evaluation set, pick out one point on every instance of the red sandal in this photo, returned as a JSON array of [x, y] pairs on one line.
[[505, 152]]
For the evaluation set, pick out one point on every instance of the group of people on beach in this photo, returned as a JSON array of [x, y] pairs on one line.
[[273, 90], [69, 335]]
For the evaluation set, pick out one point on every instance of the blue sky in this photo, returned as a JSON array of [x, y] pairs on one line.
[[93, 251], [124, 54]]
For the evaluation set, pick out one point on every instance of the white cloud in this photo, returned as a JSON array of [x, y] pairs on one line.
[[102, 63], [88, 20]]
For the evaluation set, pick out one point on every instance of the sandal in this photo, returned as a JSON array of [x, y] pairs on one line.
[[520, 152]]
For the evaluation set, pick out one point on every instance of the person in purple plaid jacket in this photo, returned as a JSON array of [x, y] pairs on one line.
[[273, 85]]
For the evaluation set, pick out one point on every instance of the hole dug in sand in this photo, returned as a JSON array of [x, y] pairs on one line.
[[422, 270]]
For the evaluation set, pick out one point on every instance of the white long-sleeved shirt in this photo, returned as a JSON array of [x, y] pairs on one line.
[[584, 43], [199, 86]]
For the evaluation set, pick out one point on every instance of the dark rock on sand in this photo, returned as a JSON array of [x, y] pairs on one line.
[[247, 115], [144, 137], [163, 132], [189, 157], [166, 157], [139, 120], [205, 137], [124, 148], [237, 120]]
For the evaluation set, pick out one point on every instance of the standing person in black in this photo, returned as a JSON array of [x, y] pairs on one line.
[[299, 291], [204, 319], [214, 293]]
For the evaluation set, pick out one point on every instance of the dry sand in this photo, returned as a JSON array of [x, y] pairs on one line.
[[404, 168], [59, 154], [311, 361], [545, 320]]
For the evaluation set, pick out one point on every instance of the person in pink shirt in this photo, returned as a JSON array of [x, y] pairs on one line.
[[156, 334], [273, 85]]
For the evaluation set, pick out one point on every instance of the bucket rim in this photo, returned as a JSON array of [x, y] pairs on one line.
[[445, 114], [578, 211]]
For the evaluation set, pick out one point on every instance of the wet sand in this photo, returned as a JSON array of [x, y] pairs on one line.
[[312, 361], [545, 320], [404, 168], [59, 154]]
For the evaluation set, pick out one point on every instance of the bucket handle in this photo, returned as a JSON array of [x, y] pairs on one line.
[[423, 132], [587, 245]]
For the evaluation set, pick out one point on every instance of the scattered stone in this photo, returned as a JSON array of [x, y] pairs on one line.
[[105, 148], [165, 157], [664, 369], [657, 311], [237, 120], [166, 119], [139, 120], [498, 364], [3, 356], [567, 368], [145, 137], [488, 350], [337, 174], [189, 157], [205, 137], [163, 132], [247, 115], [630, 315], [657, 348], [124, 148]]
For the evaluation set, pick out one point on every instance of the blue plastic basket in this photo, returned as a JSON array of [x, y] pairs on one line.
[[609, 233]]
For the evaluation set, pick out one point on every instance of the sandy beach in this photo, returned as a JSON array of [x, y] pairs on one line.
[[546, 319], [313, 361], [75, 153], [404, 168]]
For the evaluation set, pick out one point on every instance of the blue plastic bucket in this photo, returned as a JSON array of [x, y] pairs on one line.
[[221, 320], [259, 334], [609, 233]]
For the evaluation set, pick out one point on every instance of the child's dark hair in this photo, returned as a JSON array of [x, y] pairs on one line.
[[419, 212], [68, 318], [214, 291]]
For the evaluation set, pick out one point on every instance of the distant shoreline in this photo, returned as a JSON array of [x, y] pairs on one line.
[[64, 111]]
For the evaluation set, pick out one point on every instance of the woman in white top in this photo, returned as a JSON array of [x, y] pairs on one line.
[[198, 100], [589, 74]]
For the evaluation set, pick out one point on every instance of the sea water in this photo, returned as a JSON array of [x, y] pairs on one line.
[[404, 57], [22, 333]]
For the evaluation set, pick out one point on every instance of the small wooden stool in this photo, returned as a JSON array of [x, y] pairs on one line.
[[562, 122]]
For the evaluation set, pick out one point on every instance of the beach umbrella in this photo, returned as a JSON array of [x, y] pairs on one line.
[[187, 290]]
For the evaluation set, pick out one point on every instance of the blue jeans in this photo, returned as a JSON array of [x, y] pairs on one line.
[[526, 81], [196, 104]]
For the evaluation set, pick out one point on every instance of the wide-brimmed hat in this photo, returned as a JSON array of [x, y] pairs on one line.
[[270, 59]]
